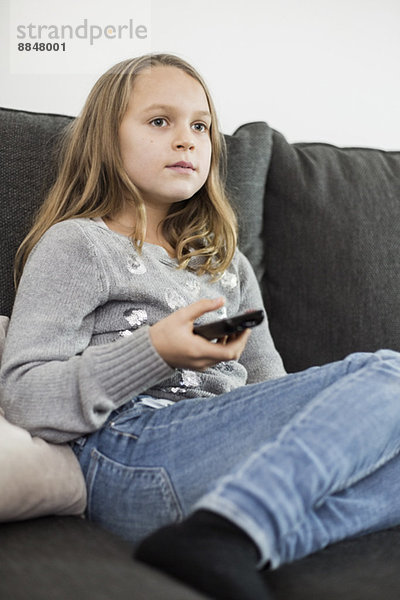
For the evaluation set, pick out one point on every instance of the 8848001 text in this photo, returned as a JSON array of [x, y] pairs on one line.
[[42, 47]]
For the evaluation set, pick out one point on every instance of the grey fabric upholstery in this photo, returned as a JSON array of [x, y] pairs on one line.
[[26, 157], [249, 152], [332, 251], [68, 558]]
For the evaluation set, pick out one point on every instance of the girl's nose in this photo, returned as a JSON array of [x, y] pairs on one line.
[[184, 139], [184, 145]]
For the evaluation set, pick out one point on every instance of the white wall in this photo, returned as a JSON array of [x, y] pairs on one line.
[[316, 70]]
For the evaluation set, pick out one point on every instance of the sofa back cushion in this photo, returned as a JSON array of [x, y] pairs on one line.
[[27, 164], [332, 251]]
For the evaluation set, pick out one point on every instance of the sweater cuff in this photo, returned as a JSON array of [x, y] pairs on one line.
[[129, 367]]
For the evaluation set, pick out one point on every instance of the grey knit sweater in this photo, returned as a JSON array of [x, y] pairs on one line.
[[78, 343]]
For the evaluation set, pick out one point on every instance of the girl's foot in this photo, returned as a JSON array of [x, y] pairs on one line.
[[210, 554]]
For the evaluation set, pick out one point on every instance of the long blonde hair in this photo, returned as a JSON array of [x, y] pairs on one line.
[[92, 180]]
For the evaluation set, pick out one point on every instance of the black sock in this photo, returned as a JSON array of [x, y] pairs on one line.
[[209, 553]]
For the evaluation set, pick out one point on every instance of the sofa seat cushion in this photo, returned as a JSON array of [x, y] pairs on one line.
[[68, 558]]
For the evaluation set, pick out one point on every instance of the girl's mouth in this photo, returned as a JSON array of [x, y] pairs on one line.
[[182, 167]]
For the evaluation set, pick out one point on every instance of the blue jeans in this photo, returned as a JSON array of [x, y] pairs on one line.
[[298, 462]]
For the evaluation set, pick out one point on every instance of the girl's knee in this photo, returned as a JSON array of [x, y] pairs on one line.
[[358, 360], [387, 360], [386, 354], [391, 359]]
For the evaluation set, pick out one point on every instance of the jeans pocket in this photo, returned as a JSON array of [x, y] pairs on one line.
[[130, 501], [130, 421]]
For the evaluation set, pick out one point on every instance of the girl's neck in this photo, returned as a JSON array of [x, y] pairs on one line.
[[123, 223]]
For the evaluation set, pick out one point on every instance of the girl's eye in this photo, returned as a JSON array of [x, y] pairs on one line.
[[201, 127], [159, 122]]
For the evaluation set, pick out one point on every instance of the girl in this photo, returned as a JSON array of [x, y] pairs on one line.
[[135, 242]]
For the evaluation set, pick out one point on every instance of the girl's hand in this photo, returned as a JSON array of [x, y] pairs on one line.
[[174, 340]]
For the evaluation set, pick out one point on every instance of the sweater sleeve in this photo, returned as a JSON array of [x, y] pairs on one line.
[[260, 357], [52, 382]]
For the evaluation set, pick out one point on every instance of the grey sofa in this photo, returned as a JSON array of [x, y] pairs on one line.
[[321, 226]]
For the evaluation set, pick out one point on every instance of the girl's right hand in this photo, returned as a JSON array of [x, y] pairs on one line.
[[174, 340]]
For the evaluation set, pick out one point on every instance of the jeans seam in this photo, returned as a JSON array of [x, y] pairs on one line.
[[123, 433], [353, 480]]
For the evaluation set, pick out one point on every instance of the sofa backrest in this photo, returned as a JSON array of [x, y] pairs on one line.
[[319, 224], [27, 141], [332, 251]]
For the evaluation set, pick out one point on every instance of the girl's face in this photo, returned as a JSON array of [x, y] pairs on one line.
[[165, 136]]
